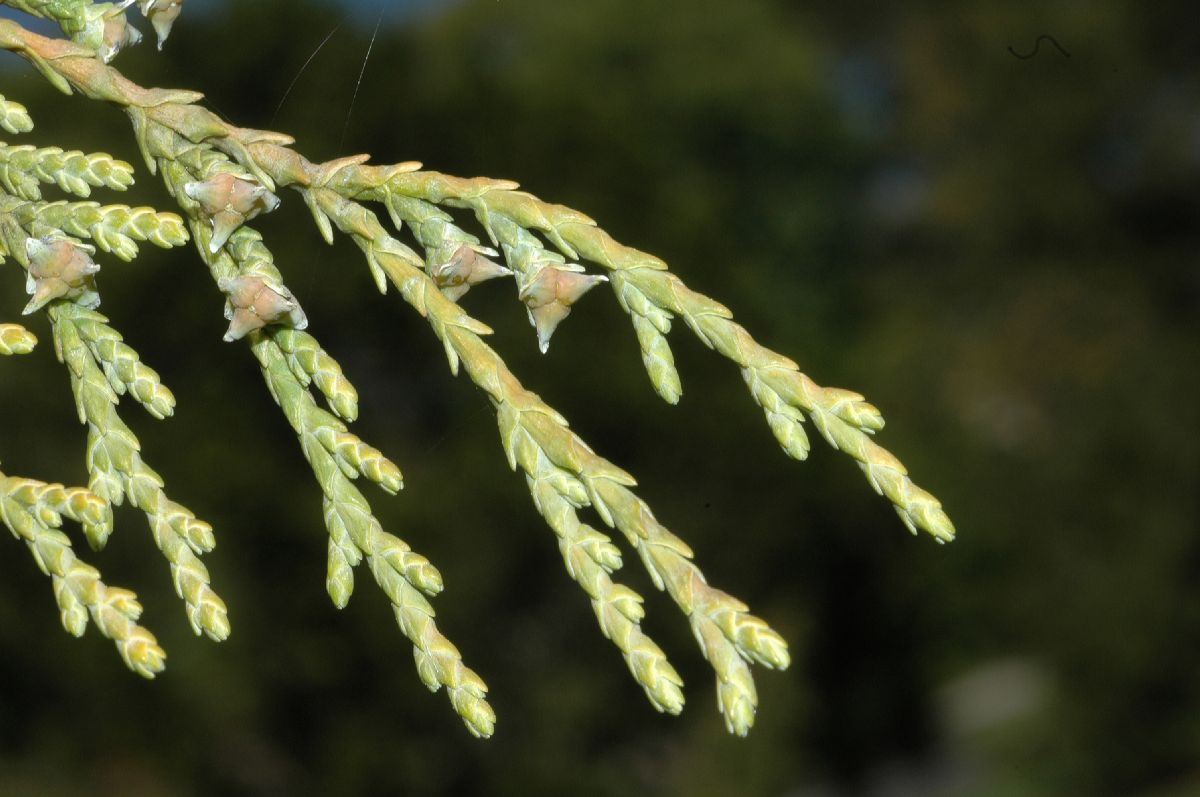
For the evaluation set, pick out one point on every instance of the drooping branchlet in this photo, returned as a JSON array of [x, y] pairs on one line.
[[541, 244]]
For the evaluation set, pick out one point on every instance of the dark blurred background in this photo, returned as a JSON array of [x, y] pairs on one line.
[[1000, 252]]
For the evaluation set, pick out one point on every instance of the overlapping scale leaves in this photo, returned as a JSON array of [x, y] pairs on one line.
[[47, 238], [223, 177]]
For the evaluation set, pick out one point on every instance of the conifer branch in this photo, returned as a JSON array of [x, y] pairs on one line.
[[224, 176], [100, 27], [589, 555], [653, 296], [102, 367], [532, 432], [115, 228], [591, 558], [313, 365], [289, 361], [23, 167], [121, 364], [118, 471], [33, 511]]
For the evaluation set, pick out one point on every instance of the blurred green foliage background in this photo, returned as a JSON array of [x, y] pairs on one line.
[[1001, 253]]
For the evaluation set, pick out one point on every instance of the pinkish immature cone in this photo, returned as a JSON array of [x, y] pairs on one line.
[[229, 202], [548, 298], [118, 34], [59, 269], [252, 303], [162, 15], [466, 268]]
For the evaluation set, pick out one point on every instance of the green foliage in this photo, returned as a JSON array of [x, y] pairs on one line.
[[223, 177], [999, 252], [32, 511]]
